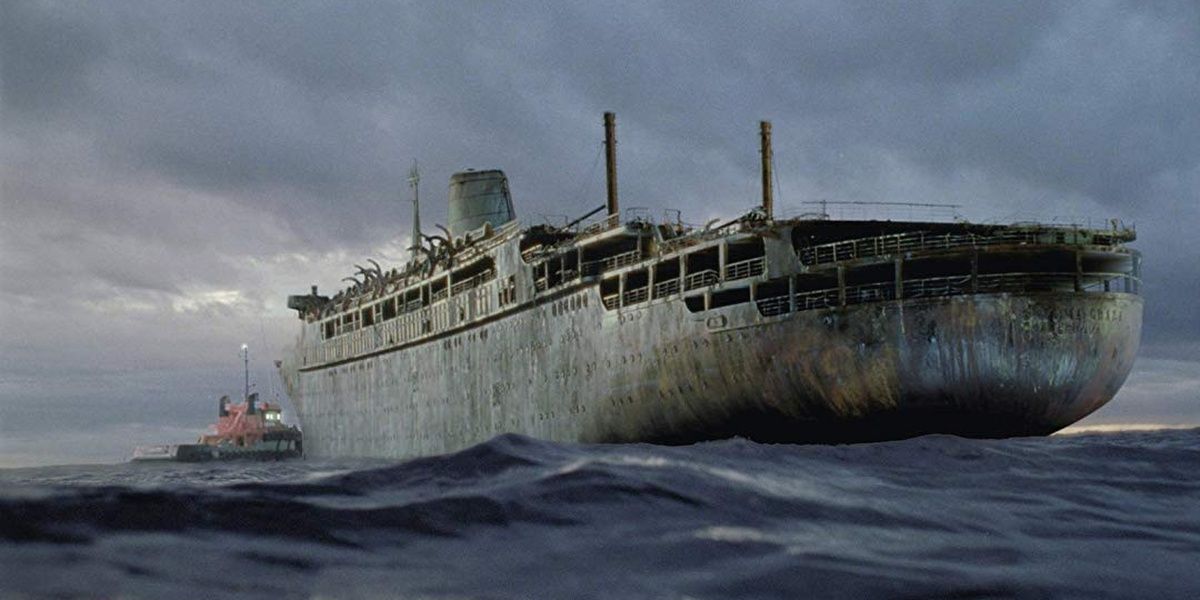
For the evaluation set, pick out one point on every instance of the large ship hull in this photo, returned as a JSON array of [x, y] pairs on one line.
[[984, 365]]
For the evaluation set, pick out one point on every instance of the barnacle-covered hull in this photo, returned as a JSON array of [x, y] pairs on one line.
[[792, 331], [996, 365]]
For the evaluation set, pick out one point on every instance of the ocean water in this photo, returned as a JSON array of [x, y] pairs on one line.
[[1113, 515]]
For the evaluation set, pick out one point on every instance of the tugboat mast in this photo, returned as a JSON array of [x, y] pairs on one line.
[[246, 362]]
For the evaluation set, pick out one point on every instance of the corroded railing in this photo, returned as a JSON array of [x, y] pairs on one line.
[[608, 222], [746, 268], [701, 279], [474, 281], [886, 245], [638, 295], [666, 288], [936, 287], [609, 263]]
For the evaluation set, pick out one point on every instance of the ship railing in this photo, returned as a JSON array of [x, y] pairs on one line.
[[817, 299], [608, 222], [666, 288], [638, 215], [441, 294], [892, 244], [701, 279], [611, 302], [698, 236], [936, 286], [609, 263], [474, 281], [639, 295], [1083, 282], [746, 268], [870, 292], [956, 285], [1111, 282], [775, 305]]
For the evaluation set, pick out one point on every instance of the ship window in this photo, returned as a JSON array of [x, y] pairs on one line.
[[389, 309], [570, 264], [730, 297], [368, 316], [330, 328], [437, 289], [508, 295], [739, 251], [772, 297], [702, 268], [636, 283], [610, 292], [694, 303], [666, 278], [553, 272]]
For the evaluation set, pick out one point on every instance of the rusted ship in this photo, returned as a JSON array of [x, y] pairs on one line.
[[632, 329]]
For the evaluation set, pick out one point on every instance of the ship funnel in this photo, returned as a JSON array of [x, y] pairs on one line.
[[478, 198]]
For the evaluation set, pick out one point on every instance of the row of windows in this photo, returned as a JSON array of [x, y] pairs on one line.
[[403, 303]]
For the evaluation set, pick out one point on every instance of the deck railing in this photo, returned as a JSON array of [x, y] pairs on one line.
[[474, 281], [609, 222], [900, 243], [666, 288], [610, 263], [746, 268], [935, 287], [701, 279], [639, 295]]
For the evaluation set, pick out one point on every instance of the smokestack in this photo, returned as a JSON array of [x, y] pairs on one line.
[[768, 202], [610, 159]]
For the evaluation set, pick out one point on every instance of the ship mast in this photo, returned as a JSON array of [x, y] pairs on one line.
[[768, 201], [246, 361], [414, 181], [610, 160]]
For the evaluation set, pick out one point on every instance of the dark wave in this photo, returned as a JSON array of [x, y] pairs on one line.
[[1114, 515]]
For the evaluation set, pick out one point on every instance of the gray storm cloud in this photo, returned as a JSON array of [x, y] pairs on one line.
[[171, 170]]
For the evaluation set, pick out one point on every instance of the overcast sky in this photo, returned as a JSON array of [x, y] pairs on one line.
[[171, 171]]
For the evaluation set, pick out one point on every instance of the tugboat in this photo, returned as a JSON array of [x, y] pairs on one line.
[[249, 430]]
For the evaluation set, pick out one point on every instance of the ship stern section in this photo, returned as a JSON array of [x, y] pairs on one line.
[[996, 365]]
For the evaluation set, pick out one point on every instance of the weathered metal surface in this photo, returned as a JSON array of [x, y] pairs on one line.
[[553, 362], [479, 197]]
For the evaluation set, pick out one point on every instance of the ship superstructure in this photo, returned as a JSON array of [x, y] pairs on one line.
[[629, 328]]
